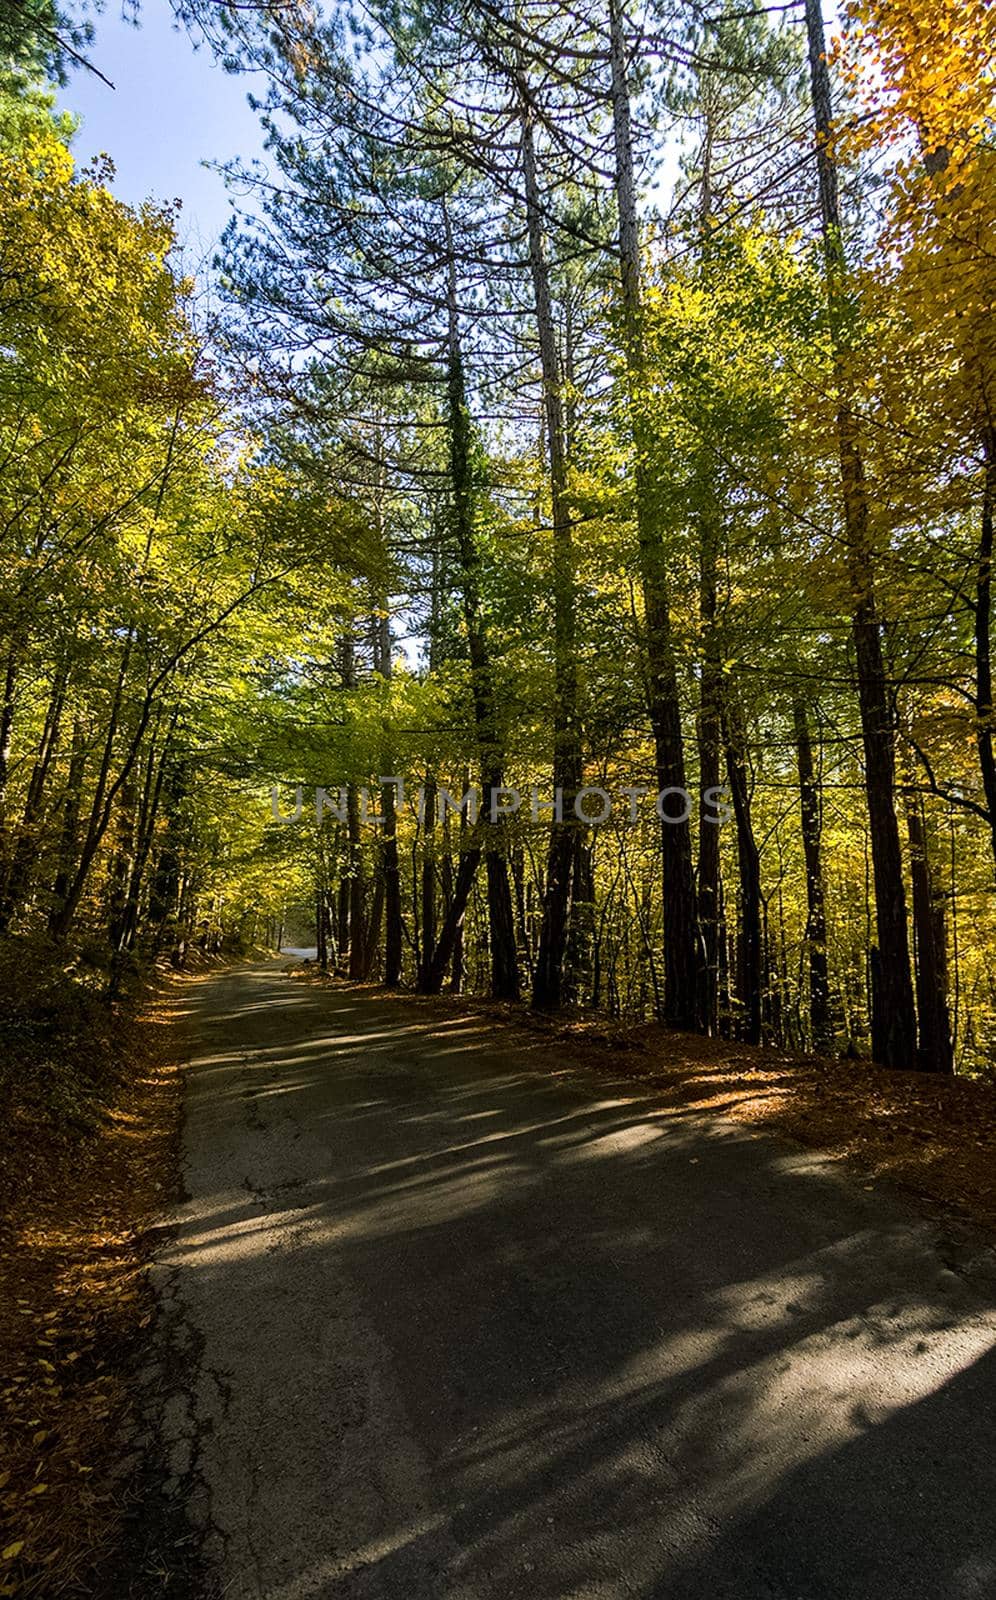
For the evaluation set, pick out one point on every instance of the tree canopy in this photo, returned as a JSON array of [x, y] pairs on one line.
[[596, 401]]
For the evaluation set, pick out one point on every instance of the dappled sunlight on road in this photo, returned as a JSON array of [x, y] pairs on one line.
[[492, 1332]]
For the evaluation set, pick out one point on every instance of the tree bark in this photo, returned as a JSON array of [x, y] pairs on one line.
[[17, 877], [390, 864], [935, 1052], [504, 960], [811, 815], [894, 1030], [681, 952], [428, 879], [751, 950], [548, 973], [8, 706], [710, 739], [983, 636]]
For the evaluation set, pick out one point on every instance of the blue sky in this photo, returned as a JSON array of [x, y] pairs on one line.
[[171, 108]]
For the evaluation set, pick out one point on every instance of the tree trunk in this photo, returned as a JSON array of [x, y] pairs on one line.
[[390, 864], [356, 887], [164, 894], [8, 705], [935, 1046], [105, 794], [894, 1030], [17, 878], [128, 929], [811, 813], [393, 928], [548, 974], [750, 952], [71, 809], [983, 637], [710, 739], [451, 933], [428, 895], [681, 954], [504, 961]]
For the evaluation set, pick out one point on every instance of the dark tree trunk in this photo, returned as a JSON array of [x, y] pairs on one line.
[[428, 896], [894, 1033], [128, 927], [342, 919], [710, 738], [681, 948], [811, 812], [8, 706], [71, 811], [390, 864], [164, 894], [106, 792], [750, 951], [548, 973], [504, 962], [451, 933], [357, 888], [321, 930], [983, 637], [582, 926], [393, 928], [934, 1023], [17, 878]]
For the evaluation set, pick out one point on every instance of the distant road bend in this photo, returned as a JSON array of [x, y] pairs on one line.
[[455, 1326]]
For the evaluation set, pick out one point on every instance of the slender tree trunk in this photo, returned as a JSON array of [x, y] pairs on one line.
[[321, 928], [391, 867], [548, 974], [164, 892], [8, 706], [130, 920], [357, 887], [750, 962], [894, 1029], [353, 898], [811, 813], [342, 918], [681, 952], [371, 932], [390, 864], [935, 1052], [451, 934], [983, 637], [123, 855], [428, 878], [504, 960], [71, 811], [25, 852], [104, 796], [582, 927], [710, 739]]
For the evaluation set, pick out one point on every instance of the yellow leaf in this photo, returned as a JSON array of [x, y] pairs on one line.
[[12, 1551]]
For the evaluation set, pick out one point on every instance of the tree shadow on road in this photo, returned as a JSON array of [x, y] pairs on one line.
[[619, 1349]]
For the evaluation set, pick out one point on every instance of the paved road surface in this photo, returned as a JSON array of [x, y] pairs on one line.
[[454, 1327]]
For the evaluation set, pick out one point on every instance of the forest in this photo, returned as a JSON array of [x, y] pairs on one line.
[[585, 398]]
